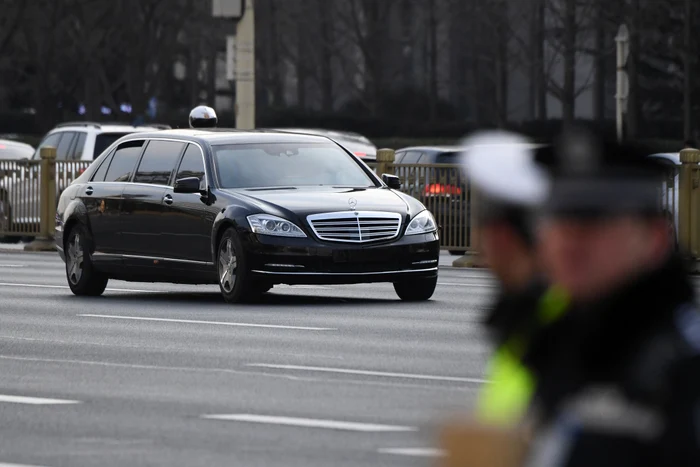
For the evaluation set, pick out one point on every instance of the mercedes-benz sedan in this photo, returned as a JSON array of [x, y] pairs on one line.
[[245, 210]]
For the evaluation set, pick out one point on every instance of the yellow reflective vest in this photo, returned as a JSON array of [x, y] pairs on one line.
[[505, 399]]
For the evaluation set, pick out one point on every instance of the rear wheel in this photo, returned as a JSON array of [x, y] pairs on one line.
[[416, 290], [235, 280], [82, 277]]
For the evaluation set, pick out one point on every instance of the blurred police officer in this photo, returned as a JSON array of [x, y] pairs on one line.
[[203, 117], [502, 167], [618, 378]]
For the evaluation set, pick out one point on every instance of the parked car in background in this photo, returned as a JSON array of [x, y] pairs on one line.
[[245, 210], [441, 189], [74, 142], [353, 142], [15, 150], [84, 141]]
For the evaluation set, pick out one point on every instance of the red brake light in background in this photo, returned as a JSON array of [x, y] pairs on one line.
[[439, 189], [361, 154], [80, 172]]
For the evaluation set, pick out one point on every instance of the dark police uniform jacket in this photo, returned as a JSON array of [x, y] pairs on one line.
[[618, 383]]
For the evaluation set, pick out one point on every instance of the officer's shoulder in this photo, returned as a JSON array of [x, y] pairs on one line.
[[687, 326], [672, 346]]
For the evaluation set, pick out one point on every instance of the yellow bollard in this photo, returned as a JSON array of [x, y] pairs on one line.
[[47, 202], [385, 161], [689, 203]]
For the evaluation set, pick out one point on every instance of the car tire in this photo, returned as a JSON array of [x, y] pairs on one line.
[[234, 276], [416, 290], [82, 277]]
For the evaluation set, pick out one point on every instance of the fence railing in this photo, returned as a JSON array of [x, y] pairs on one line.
[[22, 190]]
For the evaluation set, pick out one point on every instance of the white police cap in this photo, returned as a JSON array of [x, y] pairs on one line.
[[502, 166]]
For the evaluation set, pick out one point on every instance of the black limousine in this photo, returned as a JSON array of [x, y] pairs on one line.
[[245, 210]]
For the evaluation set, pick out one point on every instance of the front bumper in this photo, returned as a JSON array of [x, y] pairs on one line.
[[308, 261]]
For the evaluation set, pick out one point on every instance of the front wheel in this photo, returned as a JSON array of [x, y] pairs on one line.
[[416, 290], [235, 282], [82, 277]]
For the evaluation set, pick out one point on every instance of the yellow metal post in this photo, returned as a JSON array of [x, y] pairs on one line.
[[47, 202], [688, 216], [385, 161]]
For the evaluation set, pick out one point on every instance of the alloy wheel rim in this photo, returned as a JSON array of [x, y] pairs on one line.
[[75, 260], [228, 263]]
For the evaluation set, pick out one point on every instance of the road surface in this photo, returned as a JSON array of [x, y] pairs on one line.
[[159, 374]]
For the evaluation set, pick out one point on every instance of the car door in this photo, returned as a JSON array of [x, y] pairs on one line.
[[187, 236], [143, 209], [102, 197]]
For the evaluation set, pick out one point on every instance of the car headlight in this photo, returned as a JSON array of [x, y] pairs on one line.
[[423, 222], [267, 224]]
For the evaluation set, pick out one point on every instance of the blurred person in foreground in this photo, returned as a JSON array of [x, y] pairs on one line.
[[510, 183], [618, 377]]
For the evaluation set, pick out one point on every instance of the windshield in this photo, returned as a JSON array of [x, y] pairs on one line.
[[287, 164], [105, 140]]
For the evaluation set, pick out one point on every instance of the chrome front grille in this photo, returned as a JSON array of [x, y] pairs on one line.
[[355, 226]]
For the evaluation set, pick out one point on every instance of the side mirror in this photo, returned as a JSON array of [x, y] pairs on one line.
[[392, 181], [187, 185]]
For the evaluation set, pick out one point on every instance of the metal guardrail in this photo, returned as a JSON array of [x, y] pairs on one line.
[[22, 190], [446, 194]]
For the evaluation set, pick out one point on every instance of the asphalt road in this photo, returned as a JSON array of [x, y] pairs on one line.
[[160, 374]]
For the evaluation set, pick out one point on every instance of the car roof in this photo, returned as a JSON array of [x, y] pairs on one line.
[[105, 127], [232, 136], [674, 157], [15, 144], [450, 148], [432, 148]]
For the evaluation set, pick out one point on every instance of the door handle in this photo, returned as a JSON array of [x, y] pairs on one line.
[[88, 191], [168, 199]]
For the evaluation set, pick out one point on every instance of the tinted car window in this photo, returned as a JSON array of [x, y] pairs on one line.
[[51, 140], [102, 170], [105, 140], [158, 162], [123, 162], [288, 164], [447, 158], [79, 147], [411, 157], [192, 164], [398, 157], [64, 145]]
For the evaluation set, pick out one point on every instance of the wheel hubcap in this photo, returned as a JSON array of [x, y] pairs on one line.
[[74, 255], [227, 266]]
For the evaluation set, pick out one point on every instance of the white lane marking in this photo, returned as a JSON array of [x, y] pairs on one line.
[[5, 464], [34, 400], [359, 382], [413, 452], [218, 323], [12, 266], [367, 373], [45, 286], [310, 423]]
